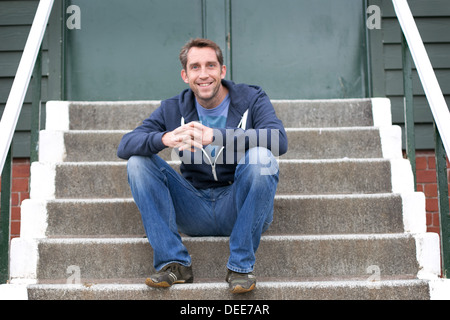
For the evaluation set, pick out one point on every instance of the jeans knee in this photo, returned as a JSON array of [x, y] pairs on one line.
[[134, 164], [261, 161], [137, 166]]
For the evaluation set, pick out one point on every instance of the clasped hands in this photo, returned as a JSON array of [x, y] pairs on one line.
[[190, 136]]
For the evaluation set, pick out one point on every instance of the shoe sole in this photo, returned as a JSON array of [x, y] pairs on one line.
[[164, 284], [240, 289]]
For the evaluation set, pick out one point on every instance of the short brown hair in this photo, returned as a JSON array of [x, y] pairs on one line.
[[200, 43]]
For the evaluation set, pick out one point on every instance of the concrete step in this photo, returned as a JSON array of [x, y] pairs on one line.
[[301, 215], [290, 256], [346, 176], [316, 143], [294, 113], [408, 289], [326, 113]]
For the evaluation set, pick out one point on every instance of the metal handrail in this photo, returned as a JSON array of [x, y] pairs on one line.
[[10, 117], [21, 81], [412, 42], [425, 70]]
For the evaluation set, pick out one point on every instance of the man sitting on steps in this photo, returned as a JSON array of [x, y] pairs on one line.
[[227, 136]]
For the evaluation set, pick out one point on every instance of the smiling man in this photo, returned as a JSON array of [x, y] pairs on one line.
[[216, 119], [204, 74]]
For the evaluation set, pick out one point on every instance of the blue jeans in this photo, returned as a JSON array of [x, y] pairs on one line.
[[169, 204]]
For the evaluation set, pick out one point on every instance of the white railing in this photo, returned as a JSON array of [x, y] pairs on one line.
[[426, 73], [21, 81]]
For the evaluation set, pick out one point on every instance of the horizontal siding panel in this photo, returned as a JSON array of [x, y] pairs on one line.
[[21, 139], [432, 30], [24, 122], [9, 62], [422, 111], [419, 8], [13, 38], [21, 144], [424, 136], [5, 88], [17, 12], [439, 55], [394, 82]]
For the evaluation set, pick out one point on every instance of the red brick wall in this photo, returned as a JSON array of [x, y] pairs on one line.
[[426, 182], [19, 192]]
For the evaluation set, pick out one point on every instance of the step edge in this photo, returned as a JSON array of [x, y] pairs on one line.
[[220, 285], [264, 238], [278, 196]]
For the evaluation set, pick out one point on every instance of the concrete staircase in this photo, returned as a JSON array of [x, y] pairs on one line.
[[347, 222]]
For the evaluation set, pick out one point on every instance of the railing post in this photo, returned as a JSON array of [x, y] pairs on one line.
[[444, 214], [36, 108], [5, 217], [410, 136]]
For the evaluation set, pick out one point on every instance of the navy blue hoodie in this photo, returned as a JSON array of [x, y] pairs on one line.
[[262, 128]]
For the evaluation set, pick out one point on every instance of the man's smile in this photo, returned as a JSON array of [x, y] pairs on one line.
[[205, 84]]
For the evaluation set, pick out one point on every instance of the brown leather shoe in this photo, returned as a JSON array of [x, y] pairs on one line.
[[169, 275], [240, 282]]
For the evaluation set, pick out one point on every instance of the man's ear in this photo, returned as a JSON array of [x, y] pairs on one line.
[[184, 76], [224, 72]]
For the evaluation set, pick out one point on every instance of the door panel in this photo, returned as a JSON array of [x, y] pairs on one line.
[[300, 48], [128, 50]]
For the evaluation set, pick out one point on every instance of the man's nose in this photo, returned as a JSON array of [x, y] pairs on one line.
[[203, 73]]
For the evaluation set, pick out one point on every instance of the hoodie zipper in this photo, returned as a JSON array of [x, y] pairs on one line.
[[242, 124], [213, 164]]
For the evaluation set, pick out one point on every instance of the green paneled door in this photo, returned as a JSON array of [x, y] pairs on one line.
[[300, 48], [294, 49], [128, 50]]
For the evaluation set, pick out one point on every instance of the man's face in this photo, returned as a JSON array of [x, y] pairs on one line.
[[204, 74]]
